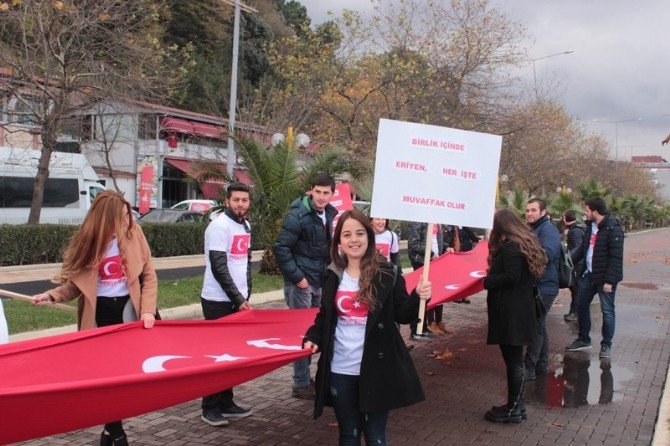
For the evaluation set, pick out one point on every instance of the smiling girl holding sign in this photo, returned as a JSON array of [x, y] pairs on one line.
[[363, 297], [108, 262]]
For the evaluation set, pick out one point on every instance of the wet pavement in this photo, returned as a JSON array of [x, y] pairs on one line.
[[582, 400]]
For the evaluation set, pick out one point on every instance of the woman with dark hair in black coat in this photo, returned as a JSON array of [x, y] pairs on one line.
[[364, 368], [516, 259]]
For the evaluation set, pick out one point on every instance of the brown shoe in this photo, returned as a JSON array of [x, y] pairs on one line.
[[435, 329], [305, 393], [444, 328]]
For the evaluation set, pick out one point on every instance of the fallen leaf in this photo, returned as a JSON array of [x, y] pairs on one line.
[[552, 424], [430, 373], [333, 424]]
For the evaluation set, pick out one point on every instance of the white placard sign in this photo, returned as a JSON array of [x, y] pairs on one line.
[[435, 174]]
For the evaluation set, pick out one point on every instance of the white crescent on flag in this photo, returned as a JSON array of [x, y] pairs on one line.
[[340, 301], [263, 343], [478, 274], [155, 363]]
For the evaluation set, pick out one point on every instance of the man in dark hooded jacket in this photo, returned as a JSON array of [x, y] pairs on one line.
[[302, 250], [575, 238], [602, 251]]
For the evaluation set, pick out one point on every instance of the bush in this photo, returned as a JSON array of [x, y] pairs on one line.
[[25, 245]]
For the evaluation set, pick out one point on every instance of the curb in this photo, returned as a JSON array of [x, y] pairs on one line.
[[193, 311]]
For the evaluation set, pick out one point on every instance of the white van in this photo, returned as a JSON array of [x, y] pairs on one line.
[[69, 191]]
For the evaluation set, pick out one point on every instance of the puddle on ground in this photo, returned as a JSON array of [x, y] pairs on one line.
[[639, 286], [582, 380]]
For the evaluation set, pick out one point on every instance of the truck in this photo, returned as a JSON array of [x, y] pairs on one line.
[[68, 193]]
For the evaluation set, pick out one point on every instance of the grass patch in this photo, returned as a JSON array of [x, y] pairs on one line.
[[23, 316]]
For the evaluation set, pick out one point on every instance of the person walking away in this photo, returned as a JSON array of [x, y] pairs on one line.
[[226, 287], [575, 238], [536, 359], [602, 251], [364, 369], [107, 263], [302, 252], [516, 259]]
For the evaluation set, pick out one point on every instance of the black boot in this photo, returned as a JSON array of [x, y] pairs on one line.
[[106, 439], [505, 414]]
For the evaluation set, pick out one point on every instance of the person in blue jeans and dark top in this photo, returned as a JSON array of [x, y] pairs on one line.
[[364, 368], [302, 250], [602, 250], [536, 359]]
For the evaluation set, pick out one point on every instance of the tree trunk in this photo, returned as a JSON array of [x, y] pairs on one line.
[[269, 262], [40, 181]]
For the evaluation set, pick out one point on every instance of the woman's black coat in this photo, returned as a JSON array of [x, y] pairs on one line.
[[388, 379], [511, 308]]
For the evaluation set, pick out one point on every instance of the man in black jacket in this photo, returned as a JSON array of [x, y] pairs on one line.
[[602, 250], [227, 284], [575, 239], [302, 252]]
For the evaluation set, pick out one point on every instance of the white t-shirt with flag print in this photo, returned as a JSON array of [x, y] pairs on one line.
[[386, 244], [226, 235], [112, 280], [352, 316]]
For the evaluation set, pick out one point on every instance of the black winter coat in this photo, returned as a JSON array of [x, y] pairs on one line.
[[416, 242], [510, 301], [607, 259], [575, 239], [302, 248], [388, 379]]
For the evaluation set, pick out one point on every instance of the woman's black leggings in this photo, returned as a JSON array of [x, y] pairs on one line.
[[109, 311], [513, 357]]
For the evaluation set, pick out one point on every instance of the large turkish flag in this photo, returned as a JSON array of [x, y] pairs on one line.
[[454, 276], [96, 376]]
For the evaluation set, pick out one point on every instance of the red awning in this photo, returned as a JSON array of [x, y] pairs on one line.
[[210, 189], [177, 125], [208, 130]]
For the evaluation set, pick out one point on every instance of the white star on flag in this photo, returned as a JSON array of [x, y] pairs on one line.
[[225, 358]]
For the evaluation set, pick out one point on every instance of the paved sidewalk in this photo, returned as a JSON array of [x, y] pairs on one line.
[[582, 401]]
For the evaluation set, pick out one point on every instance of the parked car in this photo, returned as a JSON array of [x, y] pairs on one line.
[[171, 216], [195, 205]]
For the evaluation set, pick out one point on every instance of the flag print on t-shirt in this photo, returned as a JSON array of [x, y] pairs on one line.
[[351, 311], [384, 249], [111, 269], [239, 248]]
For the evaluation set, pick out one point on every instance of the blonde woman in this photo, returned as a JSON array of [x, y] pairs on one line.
[[108, 263]]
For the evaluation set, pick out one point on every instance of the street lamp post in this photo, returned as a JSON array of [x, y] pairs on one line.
[[616, 133], [230, 159], [545, 57]]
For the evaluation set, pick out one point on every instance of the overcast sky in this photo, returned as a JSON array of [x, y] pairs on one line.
[[620, 68]]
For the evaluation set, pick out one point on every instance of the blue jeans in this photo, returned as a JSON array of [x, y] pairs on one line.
[[585, 295], [536, 359], [296, 297], [351, 422]]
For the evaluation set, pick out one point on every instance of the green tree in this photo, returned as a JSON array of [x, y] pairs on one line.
[[593, 188], [64, 54], [515, 200]]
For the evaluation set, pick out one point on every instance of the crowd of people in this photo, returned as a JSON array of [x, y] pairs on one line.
[[351, 273]]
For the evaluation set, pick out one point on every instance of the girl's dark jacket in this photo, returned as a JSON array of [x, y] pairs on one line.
[[510, 301], [388, 379]]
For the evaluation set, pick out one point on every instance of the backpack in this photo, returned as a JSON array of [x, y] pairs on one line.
[[567, 276]]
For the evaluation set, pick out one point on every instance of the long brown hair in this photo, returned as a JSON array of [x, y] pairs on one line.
[[508, 227], [88, 245], [369, 263]]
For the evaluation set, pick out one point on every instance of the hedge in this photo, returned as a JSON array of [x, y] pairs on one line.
[[45, 243]]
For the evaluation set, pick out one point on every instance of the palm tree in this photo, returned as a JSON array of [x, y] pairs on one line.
[[515, 200], [562, 203], [277, 178], [592, 188]]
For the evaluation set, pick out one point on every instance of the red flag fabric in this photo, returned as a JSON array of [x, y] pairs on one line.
[[454, 276], [96, 376]]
